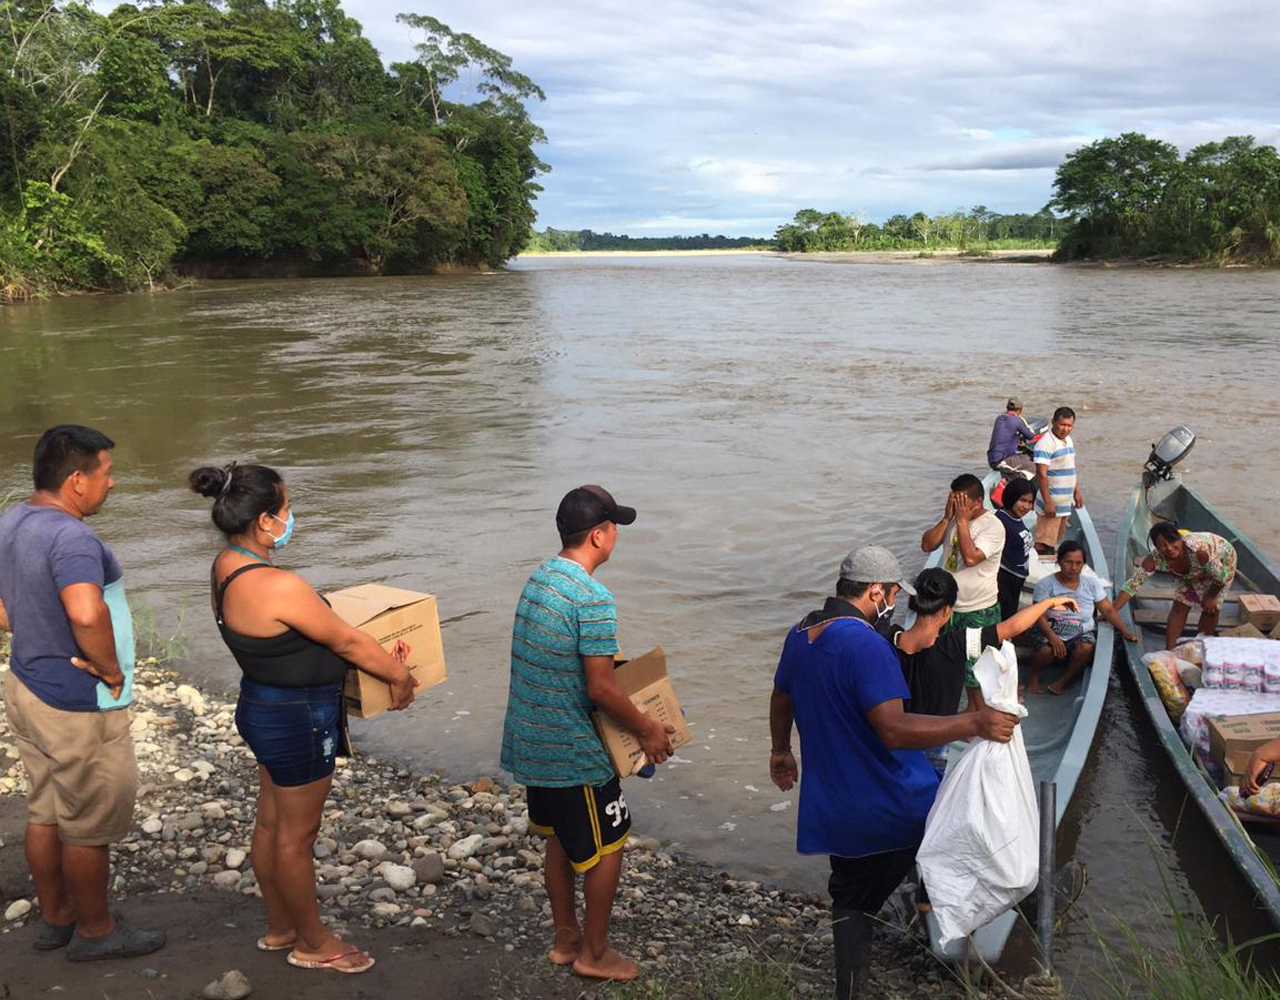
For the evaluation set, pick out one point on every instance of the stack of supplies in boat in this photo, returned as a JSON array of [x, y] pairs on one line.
[[1208, 702], [1241, 664]]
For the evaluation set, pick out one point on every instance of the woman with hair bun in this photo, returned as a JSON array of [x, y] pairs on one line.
[[294, 653], [933, 661]]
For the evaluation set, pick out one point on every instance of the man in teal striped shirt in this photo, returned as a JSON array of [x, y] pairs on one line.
[[1057, 492], [562, 660]]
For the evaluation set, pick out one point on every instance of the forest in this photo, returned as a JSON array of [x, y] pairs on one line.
[[249, 134]]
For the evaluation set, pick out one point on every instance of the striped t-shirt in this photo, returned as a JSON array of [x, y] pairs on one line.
[[548, 739], [1060, 457]]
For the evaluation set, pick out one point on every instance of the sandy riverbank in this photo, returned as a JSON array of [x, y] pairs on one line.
[[440, 881]]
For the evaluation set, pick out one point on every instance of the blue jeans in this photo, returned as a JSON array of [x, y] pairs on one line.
[[293, 732]]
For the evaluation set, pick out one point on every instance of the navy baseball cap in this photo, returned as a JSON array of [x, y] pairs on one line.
[[586, 507]]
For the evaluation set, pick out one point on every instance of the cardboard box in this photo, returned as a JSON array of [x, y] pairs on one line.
[[406, 624], [1245, 631], [1233, 738], [1260, 610], [644, 680]]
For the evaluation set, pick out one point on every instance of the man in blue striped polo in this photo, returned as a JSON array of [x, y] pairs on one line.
[[562, 661], [1057, 489]]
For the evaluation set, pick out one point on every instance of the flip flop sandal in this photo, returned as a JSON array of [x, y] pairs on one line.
[[327, 963], [263, 946]]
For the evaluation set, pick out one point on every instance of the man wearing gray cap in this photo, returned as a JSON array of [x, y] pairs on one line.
[[1007, 435], [867, 785]]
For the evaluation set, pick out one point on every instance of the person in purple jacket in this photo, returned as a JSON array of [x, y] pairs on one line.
[[1007, 435]]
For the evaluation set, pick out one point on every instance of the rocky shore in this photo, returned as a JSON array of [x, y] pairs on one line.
[[420, 855]]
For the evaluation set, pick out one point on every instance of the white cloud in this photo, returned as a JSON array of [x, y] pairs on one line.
[[710, 116]]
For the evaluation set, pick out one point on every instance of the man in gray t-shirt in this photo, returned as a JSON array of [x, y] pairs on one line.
[[62, 598]]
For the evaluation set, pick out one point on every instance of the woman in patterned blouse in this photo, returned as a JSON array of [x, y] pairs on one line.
[[1202, 565]]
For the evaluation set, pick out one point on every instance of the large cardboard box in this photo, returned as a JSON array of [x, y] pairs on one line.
[[1233, 738], [1260, 610], [406, 624], [644, 680], [1245, 631]]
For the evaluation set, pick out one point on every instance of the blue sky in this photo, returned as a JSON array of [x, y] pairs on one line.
[[685, 116]]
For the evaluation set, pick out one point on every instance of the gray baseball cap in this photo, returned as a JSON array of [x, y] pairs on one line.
[[874, 564], [1014, 403]]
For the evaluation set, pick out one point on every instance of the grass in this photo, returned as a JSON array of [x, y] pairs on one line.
[[1192, 962], [157, 644], [754, 979]]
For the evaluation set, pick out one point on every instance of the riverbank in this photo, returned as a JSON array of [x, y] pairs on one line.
[[926, 257], [441, 881]]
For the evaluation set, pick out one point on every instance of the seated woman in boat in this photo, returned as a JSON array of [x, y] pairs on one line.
[[933, 661], [1069, 635], [1202, 565]]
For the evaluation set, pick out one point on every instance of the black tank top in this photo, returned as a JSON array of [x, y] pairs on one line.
[[286, 660]]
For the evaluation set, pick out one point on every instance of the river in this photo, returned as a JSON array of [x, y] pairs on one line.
[[765, 415]]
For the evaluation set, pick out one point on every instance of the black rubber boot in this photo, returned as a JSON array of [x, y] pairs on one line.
[[852, 932]]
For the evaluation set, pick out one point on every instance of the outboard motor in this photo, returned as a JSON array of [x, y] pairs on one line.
[[1172, 449]]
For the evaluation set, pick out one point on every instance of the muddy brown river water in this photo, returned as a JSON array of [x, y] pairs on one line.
[[765, 415]]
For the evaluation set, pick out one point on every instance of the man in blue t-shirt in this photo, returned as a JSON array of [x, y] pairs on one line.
[[69, 683], [867, 786]]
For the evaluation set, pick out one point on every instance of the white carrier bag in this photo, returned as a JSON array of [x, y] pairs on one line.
[[981, 849]]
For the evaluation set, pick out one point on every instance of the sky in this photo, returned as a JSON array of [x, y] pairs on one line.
[[691, 116]]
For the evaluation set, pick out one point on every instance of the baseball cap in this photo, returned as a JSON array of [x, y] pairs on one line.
[[874, 564], [585, 507], [1014, 403]]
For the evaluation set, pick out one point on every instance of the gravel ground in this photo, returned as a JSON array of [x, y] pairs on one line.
[[403, 855]]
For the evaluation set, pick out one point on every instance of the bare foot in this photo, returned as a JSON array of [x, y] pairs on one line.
[[610, 965], [1033, 686], [567, 947], [1055, 688]]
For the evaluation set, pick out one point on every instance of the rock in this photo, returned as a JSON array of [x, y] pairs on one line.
[[429, 868], [481, 925], [482, 785], [183, 775], [18, 909], [191, 821], [418, 923], [235, 858], [397, 810], [231, 985], [190, 698], [152, 827], [226, 880], [370, 850], [462, 849], [526, 904], [213, 811], [321, 851], [399, 877], [387, 911]]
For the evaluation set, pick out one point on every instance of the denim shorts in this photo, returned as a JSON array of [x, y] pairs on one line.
[[294, 733]]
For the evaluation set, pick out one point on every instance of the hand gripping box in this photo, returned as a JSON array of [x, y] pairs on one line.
[[1233, 738], [644, 680], [406, 624]]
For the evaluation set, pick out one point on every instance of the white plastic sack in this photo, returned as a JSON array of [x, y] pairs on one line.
[[981, 849]]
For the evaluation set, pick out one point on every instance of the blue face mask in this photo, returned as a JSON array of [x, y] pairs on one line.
[[283, 540]]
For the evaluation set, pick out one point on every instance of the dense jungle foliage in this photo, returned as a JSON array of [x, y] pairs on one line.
[[169, 134]]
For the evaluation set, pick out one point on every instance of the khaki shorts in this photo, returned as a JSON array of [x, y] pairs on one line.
[[81, 772]]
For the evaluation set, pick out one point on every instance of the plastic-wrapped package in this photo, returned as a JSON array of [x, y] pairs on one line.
[[1207, 702], [1240, 664], [1265, 803], [1164, 668]]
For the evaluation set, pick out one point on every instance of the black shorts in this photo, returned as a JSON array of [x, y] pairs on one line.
[[589, 822]]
